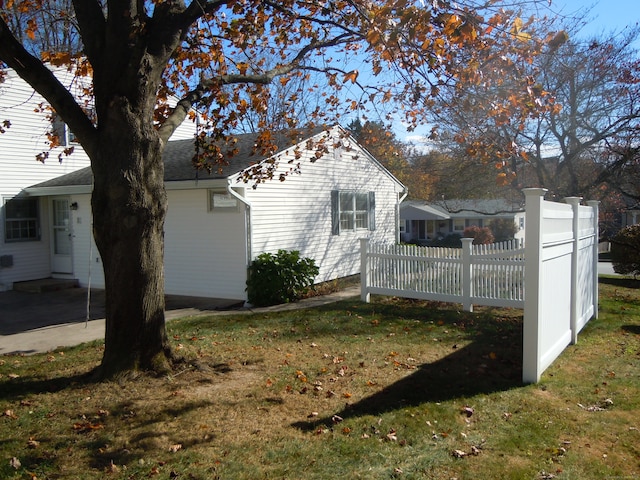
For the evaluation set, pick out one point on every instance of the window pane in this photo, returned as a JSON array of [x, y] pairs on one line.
[[362, 210], [21, 219], [362, 219], [362, 201], [346, 201], [346, 220]]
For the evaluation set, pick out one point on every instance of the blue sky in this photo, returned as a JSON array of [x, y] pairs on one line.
[[605, 16]]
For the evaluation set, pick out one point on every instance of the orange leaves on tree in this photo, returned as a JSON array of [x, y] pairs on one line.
[[32, 27], [518, 32], [351, 76]]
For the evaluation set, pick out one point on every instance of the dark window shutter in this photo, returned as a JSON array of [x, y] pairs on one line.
[[335, 212], [372, 210]]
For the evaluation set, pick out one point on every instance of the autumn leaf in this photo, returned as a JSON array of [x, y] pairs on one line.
[[351, 76], [15, 463], [468, 411], [84, 427]]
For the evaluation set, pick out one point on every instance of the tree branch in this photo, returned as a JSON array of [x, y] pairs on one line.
[[92, 24], [181, 110]]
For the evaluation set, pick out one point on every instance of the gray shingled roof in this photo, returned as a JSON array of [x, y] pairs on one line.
[[462, 208], [178, 155]]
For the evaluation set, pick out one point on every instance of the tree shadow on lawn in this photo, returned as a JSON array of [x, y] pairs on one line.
[[491, 363], [620, 281]]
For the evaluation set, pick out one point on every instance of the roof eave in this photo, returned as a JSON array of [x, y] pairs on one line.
[[58, 190]]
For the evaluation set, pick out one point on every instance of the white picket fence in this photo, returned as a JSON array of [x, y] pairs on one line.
[[556, 267], [475, 274]]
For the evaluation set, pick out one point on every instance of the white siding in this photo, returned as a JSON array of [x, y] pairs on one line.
[[296, 214], [19, 168], [87, 264], [205, 252]]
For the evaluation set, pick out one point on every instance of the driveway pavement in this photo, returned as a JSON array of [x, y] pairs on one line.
[[41, 322], [605, 268]]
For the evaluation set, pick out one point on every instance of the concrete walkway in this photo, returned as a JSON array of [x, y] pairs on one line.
[[41, 322]]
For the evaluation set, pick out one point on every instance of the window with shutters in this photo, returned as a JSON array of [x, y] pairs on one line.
[[352, 211]]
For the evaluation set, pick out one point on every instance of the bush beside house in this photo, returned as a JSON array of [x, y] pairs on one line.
[[278, 278], [625, 251]]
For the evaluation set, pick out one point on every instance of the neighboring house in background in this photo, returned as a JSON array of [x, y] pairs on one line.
[[35, 231], [216, 225], [422, 222]]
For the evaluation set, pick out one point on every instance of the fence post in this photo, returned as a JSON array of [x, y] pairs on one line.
[[467, 289], [575, 205], [596, 229], [532, 280], [365, 296]]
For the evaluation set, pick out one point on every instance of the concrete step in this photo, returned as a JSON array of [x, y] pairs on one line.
[[46, 285]]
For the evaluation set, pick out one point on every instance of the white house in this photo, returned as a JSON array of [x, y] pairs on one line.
[[25, 247], [422, 222], [34, 231], [216, 224]]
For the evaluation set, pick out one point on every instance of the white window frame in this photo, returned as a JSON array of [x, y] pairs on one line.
[[352, 211], [21, 228], [459, 224]]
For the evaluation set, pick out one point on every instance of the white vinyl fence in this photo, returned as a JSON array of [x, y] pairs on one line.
[[556, 267], [474, 274]]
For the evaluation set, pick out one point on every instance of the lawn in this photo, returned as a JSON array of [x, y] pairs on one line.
[[392, 389]]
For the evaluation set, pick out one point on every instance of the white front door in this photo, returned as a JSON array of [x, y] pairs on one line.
[[61, 260]]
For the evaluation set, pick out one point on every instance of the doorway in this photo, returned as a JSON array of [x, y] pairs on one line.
[[61, 245]]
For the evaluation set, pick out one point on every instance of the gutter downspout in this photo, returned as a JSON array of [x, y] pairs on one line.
[[247, 204], [400, 200]]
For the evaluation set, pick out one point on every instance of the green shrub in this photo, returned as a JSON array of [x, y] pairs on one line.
[[625, 251], [451, 240], [280, 278]]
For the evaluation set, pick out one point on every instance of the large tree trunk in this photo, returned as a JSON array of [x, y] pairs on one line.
[[129, 207]]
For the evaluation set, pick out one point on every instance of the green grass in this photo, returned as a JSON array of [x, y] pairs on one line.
[[391, 389]]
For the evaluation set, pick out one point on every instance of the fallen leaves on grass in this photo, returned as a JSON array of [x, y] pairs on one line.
[[33, 443], [15, 463], [598, 407], [474, 451], [84, 427], [468, 411]]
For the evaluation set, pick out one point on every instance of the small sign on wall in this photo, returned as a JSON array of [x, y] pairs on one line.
[[222, 200]]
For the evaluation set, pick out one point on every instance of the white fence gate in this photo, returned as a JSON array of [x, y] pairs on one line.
[[556, 267]]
